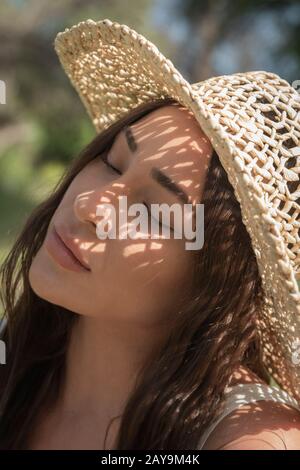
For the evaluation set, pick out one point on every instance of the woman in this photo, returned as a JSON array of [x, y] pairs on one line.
[[141, 344]]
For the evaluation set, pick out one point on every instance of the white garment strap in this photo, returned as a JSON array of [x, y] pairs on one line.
[[242, 394]]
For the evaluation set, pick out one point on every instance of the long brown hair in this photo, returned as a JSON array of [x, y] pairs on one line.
[[181, 391]]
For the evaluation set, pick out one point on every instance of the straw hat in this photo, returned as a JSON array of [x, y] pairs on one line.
[[253, 122]]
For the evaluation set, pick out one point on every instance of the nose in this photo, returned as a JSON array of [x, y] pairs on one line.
[[82, 212], [85, 204]]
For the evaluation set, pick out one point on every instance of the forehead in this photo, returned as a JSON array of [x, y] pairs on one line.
[[171, 138], [167, 117]]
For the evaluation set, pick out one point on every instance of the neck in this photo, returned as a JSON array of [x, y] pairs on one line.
[[103, 362]]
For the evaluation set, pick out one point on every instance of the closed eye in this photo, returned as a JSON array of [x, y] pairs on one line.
[[160, 223], [104, 158]]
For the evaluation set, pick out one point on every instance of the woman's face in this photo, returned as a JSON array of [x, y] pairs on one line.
[[140, 279]]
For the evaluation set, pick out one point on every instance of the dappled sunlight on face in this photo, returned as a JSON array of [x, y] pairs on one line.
[[142, 280]]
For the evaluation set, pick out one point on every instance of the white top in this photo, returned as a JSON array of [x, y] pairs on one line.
[[242, 394]]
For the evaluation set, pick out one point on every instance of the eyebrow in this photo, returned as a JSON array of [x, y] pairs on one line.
[[156, 173]]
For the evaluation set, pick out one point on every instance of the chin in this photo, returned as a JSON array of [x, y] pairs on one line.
[[44, 279], [49, 283]]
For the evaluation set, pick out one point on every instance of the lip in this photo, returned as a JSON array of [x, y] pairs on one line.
[[64, 252]]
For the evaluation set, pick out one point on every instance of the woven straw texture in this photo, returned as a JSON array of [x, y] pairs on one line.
[[252, 120]]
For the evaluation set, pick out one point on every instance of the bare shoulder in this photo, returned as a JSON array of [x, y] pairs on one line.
[[263, 425]]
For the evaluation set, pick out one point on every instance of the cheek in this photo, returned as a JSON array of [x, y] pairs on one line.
[[163, 282], [143, 279], [173, 275], [140, 261]]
